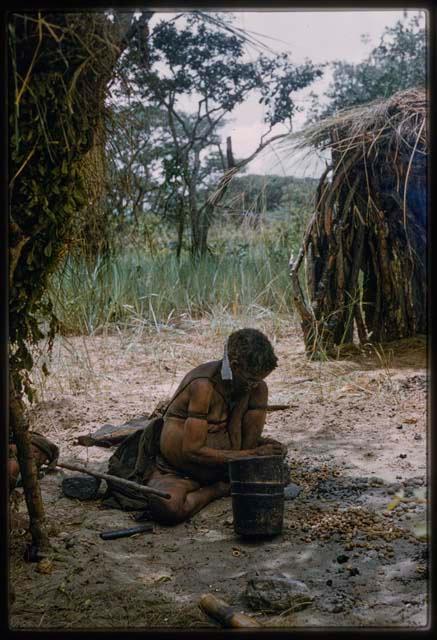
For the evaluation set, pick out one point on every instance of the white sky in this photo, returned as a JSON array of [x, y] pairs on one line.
[[321, 36]]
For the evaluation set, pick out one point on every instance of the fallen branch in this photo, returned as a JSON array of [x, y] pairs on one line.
[[300, 380], [121, 481], [224, 614], [279, 407]]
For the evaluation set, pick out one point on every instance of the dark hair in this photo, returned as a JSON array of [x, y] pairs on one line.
[[252, 351]]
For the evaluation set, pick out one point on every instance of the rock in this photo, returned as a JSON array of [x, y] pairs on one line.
[[291, 491], [69, 542], [342, 558], [81, 487], [353, 571], [276, 592], [335, 602], [402, 455], [417, 436], [337, 608]]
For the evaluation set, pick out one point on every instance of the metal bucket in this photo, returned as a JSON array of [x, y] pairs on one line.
[[257, 490]]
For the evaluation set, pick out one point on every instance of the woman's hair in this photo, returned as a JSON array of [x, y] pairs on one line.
[[252, 351]]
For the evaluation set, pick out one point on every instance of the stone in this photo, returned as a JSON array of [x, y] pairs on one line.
[[337, 608], [342, 558], [81, 487], [268, 591], [291, 491], [69, 542]]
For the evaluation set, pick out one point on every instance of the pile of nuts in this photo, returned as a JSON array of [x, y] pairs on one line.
[[348, 524], [309, 480]]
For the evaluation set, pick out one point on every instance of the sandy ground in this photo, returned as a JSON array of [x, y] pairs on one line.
[[357, 447]]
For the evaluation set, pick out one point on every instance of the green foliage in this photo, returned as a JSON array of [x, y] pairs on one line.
[[397, 62], [145, 286], [136, 290]]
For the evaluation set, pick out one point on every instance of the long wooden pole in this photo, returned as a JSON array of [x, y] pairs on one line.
[[121, 481]]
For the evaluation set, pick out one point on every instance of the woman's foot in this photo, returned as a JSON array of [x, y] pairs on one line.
[[223, 488]]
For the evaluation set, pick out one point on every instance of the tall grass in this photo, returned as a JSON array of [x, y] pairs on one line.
[[249, 275]]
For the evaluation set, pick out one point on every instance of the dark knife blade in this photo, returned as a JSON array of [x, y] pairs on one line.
[[124, 533]]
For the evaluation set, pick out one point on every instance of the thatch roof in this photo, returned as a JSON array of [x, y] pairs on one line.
[[400, 119]]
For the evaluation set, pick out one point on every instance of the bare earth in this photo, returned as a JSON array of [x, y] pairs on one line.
[[346, 431]]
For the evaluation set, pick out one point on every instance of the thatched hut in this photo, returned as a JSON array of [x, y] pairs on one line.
[[361, 270]]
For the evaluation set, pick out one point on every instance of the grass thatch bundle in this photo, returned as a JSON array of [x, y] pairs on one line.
[[364, 250]]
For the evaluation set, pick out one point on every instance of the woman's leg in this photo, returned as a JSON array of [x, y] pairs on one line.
[[187, 497]]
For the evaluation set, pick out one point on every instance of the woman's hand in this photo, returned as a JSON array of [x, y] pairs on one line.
[[270, 449]]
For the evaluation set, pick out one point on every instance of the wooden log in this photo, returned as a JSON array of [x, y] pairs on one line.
[[279, 407], [220, 611], [29, 473], [121, 481]]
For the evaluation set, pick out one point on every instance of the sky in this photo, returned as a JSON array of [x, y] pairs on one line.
[[321, 36]]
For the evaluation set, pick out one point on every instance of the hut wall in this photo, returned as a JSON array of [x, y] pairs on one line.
[[366, 250]]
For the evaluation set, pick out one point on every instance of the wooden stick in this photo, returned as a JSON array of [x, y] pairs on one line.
[[119, 435], [279, 407], [29, 474], [121, 481], [223, 613]]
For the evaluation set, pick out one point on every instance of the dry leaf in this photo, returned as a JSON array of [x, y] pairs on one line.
[[45, 566], [163, 578], [394, 503]]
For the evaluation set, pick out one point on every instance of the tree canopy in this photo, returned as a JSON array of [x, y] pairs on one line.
[[196, 75], [398, 62]]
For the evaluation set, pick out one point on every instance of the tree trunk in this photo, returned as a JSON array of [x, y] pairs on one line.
[[180, 226], [194, 220], [29, 473], [229, 154]]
